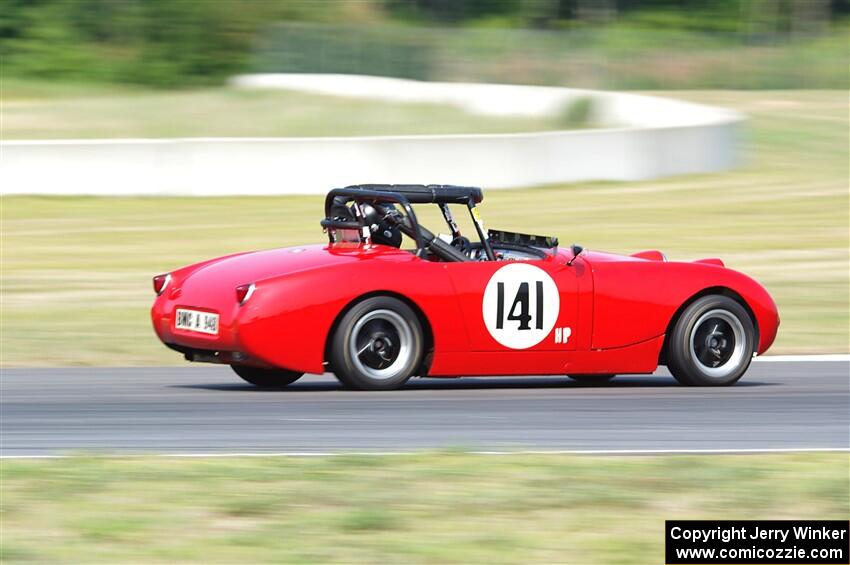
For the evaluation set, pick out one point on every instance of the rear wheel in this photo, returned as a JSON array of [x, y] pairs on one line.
[[712, 342], [377, 345], [592, 379], [266, 378]]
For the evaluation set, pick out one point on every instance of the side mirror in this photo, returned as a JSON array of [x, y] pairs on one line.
[[576, 249]]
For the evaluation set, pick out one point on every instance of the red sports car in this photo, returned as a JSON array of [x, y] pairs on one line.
[[386, 299]]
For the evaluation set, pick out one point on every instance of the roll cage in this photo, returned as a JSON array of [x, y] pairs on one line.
[[385, 198]]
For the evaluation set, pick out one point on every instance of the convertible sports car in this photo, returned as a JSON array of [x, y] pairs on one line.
[[386, 299]]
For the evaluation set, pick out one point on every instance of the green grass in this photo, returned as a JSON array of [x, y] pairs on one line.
[[37, 110], [424, 508], [76, 271]]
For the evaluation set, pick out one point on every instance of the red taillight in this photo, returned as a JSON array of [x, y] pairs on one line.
[[160, 282], [244, 292]]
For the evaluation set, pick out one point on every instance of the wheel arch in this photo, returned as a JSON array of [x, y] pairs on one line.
[[424, 322], [721, 290]]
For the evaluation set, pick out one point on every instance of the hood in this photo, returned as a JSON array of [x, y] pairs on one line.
[[648, 255], [595, 257]]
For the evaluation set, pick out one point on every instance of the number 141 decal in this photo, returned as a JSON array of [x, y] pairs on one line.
[[520, 305]]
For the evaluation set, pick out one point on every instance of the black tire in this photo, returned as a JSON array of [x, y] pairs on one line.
[[377, 345], [266, 378], [592, 379], [712, 342]]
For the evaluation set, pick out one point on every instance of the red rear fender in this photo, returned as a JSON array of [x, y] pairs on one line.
[[290, 318]]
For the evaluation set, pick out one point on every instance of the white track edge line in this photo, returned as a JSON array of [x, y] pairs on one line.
[[188, 455], [828, 357]]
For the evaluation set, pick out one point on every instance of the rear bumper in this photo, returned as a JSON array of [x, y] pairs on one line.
[[224, 347], [227, 338], [219, 357], [239, 339]]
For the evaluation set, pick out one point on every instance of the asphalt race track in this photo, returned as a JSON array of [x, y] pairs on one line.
[[207, 409]]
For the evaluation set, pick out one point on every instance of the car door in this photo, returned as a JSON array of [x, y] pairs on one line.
[[518, 306]]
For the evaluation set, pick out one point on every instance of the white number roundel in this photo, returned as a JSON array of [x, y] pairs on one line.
[[520, 305]]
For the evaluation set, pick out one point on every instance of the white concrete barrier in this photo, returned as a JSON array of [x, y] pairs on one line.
[[652, 137]]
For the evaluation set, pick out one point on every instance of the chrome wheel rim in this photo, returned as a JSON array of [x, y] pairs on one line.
[[380, 344], [718, 343]]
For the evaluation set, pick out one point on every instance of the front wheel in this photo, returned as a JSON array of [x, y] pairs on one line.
[[377, 345], [266, 378], [712, 342]]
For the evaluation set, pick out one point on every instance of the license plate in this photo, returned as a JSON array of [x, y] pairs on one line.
[[195, 321]]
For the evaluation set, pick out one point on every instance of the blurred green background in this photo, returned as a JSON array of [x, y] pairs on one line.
[[75, 271], [624, 44]]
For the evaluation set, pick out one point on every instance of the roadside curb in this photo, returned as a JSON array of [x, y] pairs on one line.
[[820, 358]]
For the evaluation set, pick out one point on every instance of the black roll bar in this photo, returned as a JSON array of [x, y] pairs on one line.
[[428, 193], [374, 196]]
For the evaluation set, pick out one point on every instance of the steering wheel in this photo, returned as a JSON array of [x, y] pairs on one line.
[[462, 244]]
